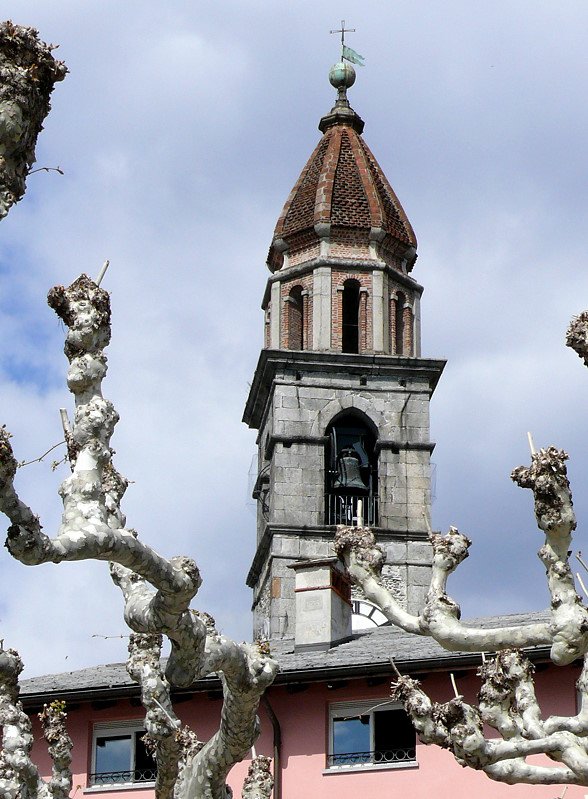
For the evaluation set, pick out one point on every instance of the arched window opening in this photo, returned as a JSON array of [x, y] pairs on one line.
[[399, 324], [352, 475], [295, 319], [350, 316]]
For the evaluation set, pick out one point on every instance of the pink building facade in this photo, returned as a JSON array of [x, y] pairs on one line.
[[298, 731]]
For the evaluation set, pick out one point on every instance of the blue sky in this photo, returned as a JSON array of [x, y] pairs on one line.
[[181, 129]]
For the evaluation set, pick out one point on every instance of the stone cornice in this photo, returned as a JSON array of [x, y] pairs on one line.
[[272, 361], [326, 532], [356, 264]]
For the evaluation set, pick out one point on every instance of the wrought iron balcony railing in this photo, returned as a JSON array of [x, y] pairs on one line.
[[343, 509], [119, 777], [380, 757]]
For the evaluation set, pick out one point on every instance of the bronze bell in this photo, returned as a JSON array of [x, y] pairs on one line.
[[348, 474]]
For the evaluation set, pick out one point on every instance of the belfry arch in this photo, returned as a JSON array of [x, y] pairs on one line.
[[351, 471]]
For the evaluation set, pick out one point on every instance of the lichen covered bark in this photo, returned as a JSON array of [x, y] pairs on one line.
[[507, 700], [508, 704], [28, 72], [259, 782], [157, 592], [19, 777]]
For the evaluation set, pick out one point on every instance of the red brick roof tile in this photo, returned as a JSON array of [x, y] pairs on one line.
[[342, 185]]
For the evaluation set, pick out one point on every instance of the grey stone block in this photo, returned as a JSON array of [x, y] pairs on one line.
[[290, 402], [315, 549], [315, 404], [285, 390], [396, 552], [419, 575], [286, 477], [419, 551], [286, 546], [416, 599]]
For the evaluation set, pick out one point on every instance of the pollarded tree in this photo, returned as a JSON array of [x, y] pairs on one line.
[[157, 595], [506, 700], [157, 592], [28, 73]]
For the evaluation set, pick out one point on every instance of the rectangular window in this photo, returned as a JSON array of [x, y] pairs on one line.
[[119, 755], [370, 734]]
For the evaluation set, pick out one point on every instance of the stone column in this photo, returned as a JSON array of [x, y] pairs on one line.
[[378, 311], [321, 309], [417, 326], [276, 306]]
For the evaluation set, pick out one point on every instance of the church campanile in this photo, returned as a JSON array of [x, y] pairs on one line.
[[340, 395]]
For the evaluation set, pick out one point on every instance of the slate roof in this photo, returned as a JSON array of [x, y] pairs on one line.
[[368, 653]]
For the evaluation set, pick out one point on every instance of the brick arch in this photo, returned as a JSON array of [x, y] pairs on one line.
[[346, 403]]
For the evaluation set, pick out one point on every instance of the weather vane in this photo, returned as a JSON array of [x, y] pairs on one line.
[[346, 52]]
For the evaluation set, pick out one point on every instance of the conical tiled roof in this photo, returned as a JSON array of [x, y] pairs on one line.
[[341, 195]]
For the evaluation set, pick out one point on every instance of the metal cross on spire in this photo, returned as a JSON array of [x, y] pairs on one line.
[[343, 30], [346, 52]]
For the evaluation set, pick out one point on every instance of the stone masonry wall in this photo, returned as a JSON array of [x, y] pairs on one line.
[[299, 414]]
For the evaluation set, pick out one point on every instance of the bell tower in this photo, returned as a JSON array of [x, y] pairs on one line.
[[340, 395]]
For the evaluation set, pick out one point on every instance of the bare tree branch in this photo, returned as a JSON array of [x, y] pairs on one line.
[[506, 700], [28, 72], [19, 777], [157, 592]]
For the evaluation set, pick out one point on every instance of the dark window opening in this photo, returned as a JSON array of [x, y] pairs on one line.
[[373, 737], [394, 736], [350, 316], [352, 474]]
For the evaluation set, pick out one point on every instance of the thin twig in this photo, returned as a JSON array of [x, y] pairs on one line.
[[531, 444], [382, 704], [579, 558], [65, 423], [40, 458], [176, 722], [105, 266], [427, 523], [398, 674], [47, 169], [583, 587], [454, 684]]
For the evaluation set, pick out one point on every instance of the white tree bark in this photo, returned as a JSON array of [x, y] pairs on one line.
[[28, 72], [19, 777], [157, 592], [259, 782], [506, 701]]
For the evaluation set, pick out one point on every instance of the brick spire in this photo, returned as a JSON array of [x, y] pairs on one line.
[[342, 198]]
